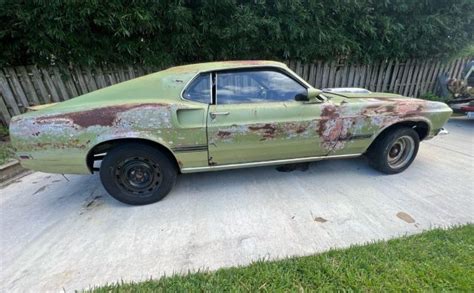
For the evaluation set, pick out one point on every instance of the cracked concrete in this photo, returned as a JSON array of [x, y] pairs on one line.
[[59, 234]]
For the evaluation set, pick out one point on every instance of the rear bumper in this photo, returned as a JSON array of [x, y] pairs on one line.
[[54, 167], [62, 161]]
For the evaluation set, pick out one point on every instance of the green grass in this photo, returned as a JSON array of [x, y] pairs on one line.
[[434, 260], [6, 152], [6, 149]]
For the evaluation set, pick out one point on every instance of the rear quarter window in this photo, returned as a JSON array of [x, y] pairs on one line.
[[199, 90]]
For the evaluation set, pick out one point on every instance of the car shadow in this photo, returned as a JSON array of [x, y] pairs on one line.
[[313, 173], [358, 165], [85, 194]]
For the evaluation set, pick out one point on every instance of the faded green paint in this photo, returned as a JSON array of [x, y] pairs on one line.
[[59, 137], [263, 132]]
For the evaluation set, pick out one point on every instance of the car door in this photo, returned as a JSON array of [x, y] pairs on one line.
[[255, 118]]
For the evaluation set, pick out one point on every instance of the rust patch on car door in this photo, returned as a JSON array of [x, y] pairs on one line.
[[266, 130], [330, 126]]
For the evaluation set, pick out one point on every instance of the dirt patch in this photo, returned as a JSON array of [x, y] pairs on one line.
[[317, 219], [405, 217], [320, 220]]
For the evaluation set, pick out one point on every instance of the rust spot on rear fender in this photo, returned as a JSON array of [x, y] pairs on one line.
[[105, 116]]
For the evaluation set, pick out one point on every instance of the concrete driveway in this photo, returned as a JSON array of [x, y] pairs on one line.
[[59, 234]]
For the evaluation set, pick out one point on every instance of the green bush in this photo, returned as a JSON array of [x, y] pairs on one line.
[[180, 31], [432, 97]]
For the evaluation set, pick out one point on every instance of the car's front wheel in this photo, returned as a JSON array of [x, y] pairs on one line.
[[137, 174], [394, 151]]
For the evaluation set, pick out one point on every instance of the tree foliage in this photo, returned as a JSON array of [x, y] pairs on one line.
[[162, 32]]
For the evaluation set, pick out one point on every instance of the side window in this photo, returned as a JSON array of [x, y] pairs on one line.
[[199, 90], [255, 86]]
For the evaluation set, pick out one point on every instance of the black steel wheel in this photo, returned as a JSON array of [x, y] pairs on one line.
[[137, 174]]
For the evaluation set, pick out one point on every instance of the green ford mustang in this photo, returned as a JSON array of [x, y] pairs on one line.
[[141, 133]]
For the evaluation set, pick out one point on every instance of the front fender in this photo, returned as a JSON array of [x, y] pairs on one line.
[[402, 121]]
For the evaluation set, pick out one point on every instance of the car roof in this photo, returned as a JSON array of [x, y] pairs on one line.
[[223, 65]]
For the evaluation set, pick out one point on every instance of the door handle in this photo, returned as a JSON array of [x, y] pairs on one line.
[[214, 114]]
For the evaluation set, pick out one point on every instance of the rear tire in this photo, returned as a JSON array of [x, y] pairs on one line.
[[137, 174], [394, 151]]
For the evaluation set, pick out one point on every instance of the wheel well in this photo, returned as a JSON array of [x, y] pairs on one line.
[[102, 148], [421, 127]]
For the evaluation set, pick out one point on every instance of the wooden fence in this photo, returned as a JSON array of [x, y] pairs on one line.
[[25, 86]]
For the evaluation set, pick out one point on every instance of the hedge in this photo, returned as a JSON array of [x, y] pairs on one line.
[[167, 32]]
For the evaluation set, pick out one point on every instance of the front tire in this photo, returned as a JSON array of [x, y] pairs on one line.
[[137, 174], [394, 151]]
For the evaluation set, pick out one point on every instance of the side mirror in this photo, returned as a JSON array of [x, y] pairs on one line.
[[301, 98], [313, 95]]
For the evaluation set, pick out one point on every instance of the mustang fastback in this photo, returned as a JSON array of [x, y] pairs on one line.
[[140, 134]]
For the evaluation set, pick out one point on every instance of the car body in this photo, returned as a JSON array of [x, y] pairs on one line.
[[215, 116]]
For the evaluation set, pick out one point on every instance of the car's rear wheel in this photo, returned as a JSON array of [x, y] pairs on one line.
[[137, 174], [394, 151]]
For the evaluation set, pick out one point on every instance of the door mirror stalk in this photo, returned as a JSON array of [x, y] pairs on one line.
[[311, 97]]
